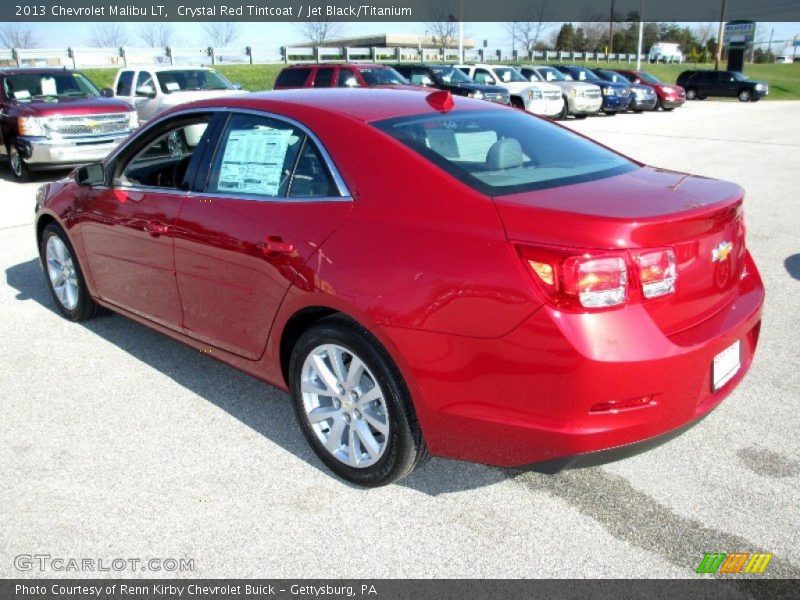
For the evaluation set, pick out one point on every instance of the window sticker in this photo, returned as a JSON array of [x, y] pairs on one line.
[[253, 161], [49, 86], [22, 95], [172, 86]]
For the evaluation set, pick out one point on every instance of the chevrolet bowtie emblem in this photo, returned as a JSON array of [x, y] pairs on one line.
[[91, 124], [721, 252]]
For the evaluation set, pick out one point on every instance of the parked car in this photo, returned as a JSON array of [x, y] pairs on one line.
[[701, 84], [579, 99], [643, 97], [453, 80], [669, 96], [348, 75], [784, 59], [54, 118], [535, 97], [616, 96], [154, 89], [517, 301], [667, 52]]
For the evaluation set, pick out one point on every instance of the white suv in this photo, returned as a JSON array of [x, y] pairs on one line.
[[665, 52], [536, 97]]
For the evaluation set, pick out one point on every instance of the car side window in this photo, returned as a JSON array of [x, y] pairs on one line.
[[311, 177], [347, 78], [125, 83], [420, 77], [293, 77], [483, 76], [256, 157], [164, 161], [323, 78], [144, 84]]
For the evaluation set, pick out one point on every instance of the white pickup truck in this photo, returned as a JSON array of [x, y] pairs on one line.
[[536, 97], [154, 89]]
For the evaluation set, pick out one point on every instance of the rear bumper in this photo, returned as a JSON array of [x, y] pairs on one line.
[[41, 152], [537, 394]]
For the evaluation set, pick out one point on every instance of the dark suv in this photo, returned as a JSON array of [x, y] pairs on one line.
[[55, 118], [701, 84], [449, 78]]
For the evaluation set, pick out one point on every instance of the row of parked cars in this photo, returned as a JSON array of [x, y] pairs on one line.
[[55, 118]]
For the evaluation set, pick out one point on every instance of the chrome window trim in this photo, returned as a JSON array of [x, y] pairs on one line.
[[337, 178]]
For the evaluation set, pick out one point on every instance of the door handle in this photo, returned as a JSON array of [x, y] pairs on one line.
[[275, 245], [155, 228]]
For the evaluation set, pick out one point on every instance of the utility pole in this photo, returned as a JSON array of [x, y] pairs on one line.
[[769, 48], [611, 30], [461, 31], [641, 35], [721, 34]]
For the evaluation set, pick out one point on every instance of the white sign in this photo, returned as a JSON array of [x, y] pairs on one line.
[[739, 33], [253, 161]]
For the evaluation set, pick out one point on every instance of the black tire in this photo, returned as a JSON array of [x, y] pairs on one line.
[[580, 116], [19, 169], [86, 308], [638, 111], [564, 110], [691, 93], [745, 95], [405, 448], [671, 108], [701, 96], [610, 113]]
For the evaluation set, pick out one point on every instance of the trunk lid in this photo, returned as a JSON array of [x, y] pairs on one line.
[[700, 218]]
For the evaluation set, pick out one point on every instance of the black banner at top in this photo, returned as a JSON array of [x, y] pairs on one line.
[[398, 10]]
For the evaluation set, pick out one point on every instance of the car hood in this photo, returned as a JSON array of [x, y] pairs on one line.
[[610, 84], [478, 87], [573, 85], [70, 106], [518, 87]]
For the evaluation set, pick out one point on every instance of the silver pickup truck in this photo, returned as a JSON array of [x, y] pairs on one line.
[[580, 99]]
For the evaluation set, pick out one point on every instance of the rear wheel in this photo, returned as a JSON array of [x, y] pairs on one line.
[[691, 93], [353, 405], [564, 110], [581, 116], [610, 113], [745, 95], [19, 169], [64, 276]]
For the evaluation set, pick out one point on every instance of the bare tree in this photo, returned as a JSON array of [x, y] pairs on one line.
[[443, 26], [17, 35], [220, 35], [528, 33], [594, 32], [157, 35], [702, 33], [317, 33], [108, 35]]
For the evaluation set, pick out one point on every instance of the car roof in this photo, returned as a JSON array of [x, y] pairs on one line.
[[361, 104], [354, 65], [23, 70], [167, 68]]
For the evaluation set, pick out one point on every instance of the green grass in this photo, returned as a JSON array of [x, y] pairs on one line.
[[784, 80]]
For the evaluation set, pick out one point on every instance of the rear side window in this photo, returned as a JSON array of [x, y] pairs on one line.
[[125, 83], [504, 152], [292, 77], [311, 178], [347, 78], [323, 78]]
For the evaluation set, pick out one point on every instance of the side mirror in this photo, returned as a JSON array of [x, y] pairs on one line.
[[91, 174], [351, 82], [237, 86], [107, 92], [146, 91]]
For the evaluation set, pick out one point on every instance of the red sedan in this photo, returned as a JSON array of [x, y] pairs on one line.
[[670, 96], [424, 274]]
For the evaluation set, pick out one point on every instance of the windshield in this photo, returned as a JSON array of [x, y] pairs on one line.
[[739, 76], [649, 78], [382, 76], [550, 74], [38, 86], [450, 75], [612, 76], [189, 80], [583, 74], [506, 74], [504, 152]]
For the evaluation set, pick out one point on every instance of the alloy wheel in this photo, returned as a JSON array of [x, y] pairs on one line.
[[62, 272], [344, 405], [16, 162]]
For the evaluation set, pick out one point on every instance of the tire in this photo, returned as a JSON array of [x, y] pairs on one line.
[[564, 110], [19, 169], [581, 116], [610, 113], [691, 93], [701, 96], [72, 298], [374, 443], [745, 95], [638, 111], [668, 109]]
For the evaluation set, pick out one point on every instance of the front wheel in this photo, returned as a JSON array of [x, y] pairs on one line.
[[564, 110], [64, 276], [745, 95], [610, 113], [691, 93], [353, 405], [19, 168]]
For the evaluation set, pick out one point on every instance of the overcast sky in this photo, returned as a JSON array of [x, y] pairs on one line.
[[61, 35]]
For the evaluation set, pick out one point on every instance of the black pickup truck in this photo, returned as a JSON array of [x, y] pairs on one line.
[[444, 77]]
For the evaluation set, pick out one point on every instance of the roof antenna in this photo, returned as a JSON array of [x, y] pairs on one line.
[[441, 100]]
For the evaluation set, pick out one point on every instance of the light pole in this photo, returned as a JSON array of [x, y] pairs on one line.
[[641, 35], [721, 34]]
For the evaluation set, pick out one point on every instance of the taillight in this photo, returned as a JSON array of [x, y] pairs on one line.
[[597, 281], [657, 272]]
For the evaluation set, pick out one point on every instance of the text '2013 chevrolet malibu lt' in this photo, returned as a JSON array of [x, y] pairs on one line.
[[426, 275]]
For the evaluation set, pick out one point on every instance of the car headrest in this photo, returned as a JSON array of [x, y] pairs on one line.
[[504, 154]]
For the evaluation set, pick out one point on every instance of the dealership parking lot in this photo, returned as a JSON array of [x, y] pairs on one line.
[[116, 442]]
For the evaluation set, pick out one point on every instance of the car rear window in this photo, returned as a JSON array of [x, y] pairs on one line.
[[292, 77], [505, 151]]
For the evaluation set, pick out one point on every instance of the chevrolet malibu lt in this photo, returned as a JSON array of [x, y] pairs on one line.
[[482, 284]]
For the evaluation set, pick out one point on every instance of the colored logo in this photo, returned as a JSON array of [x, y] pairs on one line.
[[721, 252], [737, 562]]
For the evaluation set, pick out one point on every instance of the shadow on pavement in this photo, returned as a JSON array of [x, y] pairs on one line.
[[792, 265], [261, 407]]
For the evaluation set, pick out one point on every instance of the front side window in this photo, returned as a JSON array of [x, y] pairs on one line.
[[382, 76], [612, 76], [125, 83], [504, 152], [483, 76], [649, 78], [507, 74], [450, 75], [164, 161], [270, 159], [191, 80], [144, 84], [42, 86], [550, 74]]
